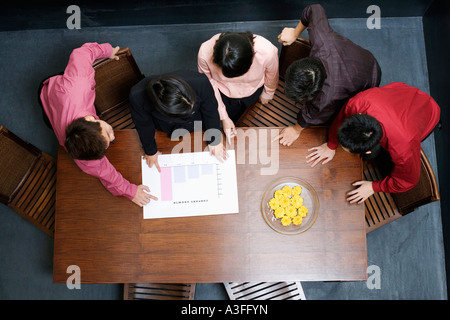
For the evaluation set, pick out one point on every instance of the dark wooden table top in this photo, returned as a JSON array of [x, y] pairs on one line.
[[108, 239]]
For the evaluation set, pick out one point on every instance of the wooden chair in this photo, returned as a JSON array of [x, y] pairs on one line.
[[159, 291], [300, 49], [382, 208], [114, 79], [27, 181], [265, 291], [280, 111]]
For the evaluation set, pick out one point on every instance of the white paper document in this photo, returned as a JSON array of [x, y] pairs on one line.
[[191, 184]]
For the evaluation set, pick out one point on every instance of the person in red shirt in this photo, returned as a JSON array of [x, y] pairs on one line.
[[68, 103], [395, 117]]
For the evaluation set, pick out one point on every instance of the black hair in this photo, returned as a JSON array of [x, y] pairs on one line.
[[360, 133], [304, 79], [84, 140], [233, 53], [171, 96]]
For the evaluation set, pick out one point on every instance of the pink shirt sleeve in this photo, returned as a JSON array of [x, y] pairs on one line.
[[271, 73], [204, 54], [111, 179], [81, 59]]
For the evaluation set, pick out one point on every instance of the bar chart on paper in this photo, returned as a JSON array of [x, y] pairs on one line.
[[191, 184]]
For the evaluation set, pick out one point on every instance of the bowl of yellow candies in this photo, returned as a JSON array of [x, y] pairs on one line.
[[290, 205]]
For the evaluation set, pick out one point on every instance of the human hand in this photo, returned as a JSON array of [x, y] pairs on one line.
[[287, 36], [320, 153], [219, 151], [263, 100], [229, 129], [143, 196], [153, 160], [289, 134], [360, 194], [114, 54]]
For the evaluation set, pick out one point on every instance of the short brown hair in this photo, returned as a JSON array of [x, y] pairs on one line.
[[84, 140]]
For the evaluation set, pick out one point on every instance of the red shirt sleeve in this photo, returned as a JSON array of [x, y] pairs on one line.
[[406, 172]]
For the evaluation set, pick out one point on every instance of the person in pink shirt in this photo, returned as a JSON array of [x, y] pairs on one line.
[[242, 68], [68, 102]]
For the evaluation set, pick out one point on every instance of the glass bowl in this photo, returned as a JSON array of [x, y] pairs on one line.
[[310, 201]]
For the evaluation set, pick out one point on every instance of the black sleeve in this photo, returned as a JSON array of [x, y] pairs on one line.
[[208, 108], [142, 118], [315, 19]]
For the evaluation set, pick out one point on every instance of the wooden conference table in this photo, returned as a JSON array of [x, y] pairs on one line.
[[108, 239]]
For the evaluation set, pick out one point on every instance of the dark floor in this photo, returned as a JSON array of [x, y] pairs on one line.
[[409, 251]]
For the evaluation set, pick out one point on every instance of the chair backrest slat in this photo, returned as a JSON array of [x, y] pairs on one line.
[[114, 80]]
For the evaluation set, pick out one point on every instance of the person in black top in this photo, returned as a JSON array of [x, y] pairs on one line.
[[172, 101]]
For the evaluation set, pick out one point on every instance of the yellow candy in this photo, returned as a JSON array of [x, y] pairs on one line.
[[278, 194], [279, 213], [287, 191], [297, 220], [296, 201], [284, 202], [274, 203], [285, 221], [287, 205], [302, 211], [290, 211], [297, 190]]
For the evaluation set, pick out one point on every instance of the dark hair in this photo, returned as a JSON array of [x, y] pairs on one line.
[[84, 140], [233, 53], [360, 133], [304, 79], [171, 96]]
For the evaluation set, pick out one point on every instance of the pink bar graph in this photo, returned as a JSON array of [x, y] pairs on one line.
[[166, 183]]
